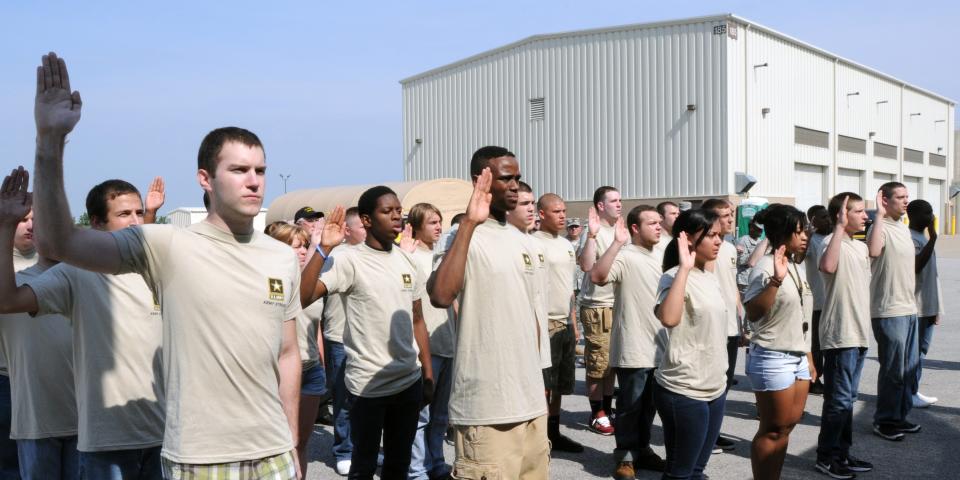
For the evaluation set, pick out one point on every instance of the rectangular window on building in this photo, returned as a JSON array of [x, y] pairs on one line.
[[884, 151], [813, 138], [851, 144], [537, 109], [938, 160], [910, 155]]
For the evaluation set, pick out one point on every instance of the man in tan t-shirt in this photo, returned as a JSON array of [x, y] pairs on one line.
[[668, 213], [596, 308], [232, 367], [116, 344], [893, 309], [497, 406]]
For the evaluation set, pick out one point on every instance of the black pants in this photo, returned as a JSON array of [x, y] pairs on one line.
[[395, 418], [815, 345]]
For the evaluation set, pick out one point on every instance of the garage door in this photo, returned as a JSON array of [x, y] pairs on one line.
[[913, 186], [849, 180], [808, 186], [934, 195], [879, 178]]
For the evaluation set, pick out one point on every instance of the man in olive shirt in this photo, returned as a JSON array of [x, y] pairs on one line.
[[893, 308]]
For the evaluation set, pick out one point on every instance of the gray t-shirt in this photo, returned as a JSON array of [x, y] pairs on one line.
[[928, 290], [811, 262]]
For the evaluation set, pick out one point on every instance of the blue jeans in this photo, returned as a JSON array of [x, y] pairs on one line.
[[635, 412], [136, 464], [690, 429], [9, 466], [336, 358], [426, 458], [841, 381], [49, 459], [393, 418], [898, 352], [924, 337]]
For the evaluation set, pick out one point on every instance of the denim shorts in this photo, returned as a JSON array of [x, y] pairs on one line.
[[771, 370], [313, 381]]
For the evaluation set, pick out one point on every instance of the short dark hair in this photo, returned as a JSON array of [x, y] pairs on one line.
[[368, 199], [206, 200], [690, 222], [547, 199], [481, 158], [889, 187], [457, 218], [662, 207], [525, 187], [920, 213], [601, 193], [213, 143], [100, 194], [780, 222], [715, 204], [633, 218], [815, 210], [836, 203]]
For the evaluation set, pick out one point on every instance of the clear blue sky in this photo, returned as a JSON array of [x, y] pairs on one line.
[[318, 81]]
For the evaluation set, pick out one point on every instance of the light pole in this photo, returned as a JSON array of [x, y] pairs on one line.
[[285, 178]]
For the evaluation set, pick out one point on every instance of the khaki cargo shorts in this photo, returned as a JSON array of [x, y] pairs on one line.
[[516, 451], [597, 323]]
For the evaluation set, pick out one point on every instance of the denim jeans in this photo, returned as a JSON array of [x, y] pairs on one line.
[[336, 362], [426, 458], [733, 346], [924, 337], [841, 382], [898, 352], [135, 464], [635, 412], [393, 417], [9, 466], [690, 429], [49, 459]]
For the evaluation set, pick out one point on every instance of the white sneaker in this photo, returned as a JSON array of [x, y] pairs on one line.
[[930, 400], [919, 402], [343, 467]]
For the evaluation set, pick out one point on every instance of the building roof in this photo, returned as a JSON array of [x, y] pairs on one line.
[[638, 26]]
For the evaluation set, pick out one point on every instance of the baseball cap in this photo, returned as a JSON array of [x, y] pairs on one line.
[[308, 213], [571, 222]]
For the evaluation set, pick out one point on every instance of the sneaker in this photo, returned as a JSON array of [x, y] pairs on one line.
[[624, 471], [888, 432], [930, 400], [343, 467], [920, 403], [816, 388], [601, 424], [651, 461], [725, 443], [834, 469], [907, 427], [563, 443], [857, 465]]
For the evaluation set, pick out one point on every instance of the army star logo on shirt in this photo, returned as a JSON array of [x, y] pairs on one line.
[[540, 256], [275, 289], [527, 261], [407, 280]]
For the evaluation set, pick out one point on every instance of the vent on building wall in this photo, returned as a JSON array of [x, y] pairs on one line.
[[814, 138], [536, 109], [938, 160], [910, 155], [851, 144], [884, 151]]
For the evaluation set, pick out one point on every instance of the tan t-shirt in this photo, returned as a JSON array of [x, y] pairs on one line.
[[560, 261], [117, 335], [308, 328], [381, 288], [39, 353], [22, 261], [540, 297], [893, 282], [497, 375], [665, 239], [845, 319], [224, 299], [928, 291], [726, 270], [786, 326], [638, 338], [592, 296], [440, 321], [334, 313], [811, 262], [694, 362]]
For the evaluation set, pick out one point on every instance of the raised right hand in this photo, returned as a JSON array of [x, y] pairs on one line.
[[15, 200], [881, 206], [780, 263], [56, 109], [478, 210], [687, 256], [593, 221], [621, 235], [334, 229]]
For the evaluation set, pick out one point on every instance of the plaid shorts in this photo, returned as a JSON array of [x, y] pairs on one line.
[[278, 467]]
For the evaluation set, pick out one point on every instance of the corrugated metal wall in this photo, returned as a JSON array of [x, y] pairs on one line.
[[615, 113]]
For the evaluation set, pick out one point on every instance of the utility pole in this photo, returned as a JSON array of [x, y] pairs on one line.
[[285, 178]]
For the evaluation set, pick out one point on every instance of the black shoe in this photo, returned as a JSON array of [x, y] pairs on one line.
[[816, 388], [563, 443], [725, 444], [857, 465], [324, 417], [906, 427], [650, 461], [888, 432], [835, 469]]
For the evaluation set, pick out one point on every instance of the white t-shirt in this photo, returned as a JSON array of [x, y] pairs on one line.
[[224, 299], [638, 338], [894, 281], [381, 288], [497, 376], [726, 270], [440, 321], [786, 326], [845, 319], [22, 261], [561, 263], [592, 296], [117, 337], [665, 239], [928, 292], [812, 264]]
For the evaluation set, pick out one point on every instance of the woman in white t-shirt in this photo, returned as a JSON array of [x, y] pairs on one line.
[[779, 305], [691, 377]]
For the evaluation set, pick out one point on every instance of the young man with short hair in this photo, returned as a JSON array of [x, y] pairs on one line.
[[821, 224], [240, 350], [388, 369], [746, 245], [638, 337], [560, 260], [929, 304], [523, 217], [596, 308], [668, 213], [117, 333], [496, 406], [893, 308], [844, 334]]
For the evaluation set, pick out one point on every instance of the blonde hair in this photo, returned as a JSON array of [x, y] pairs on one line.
[[286, 233], [419, 213]]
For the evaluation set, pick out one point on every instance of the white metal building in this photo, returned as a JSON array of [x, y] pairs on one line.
[[674, 109], [186, 216]]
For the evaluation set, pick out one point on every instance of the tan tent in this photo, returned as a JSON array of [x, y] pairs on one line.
[[450, 195]]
